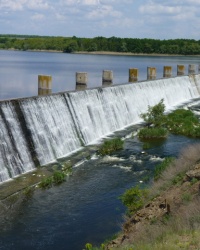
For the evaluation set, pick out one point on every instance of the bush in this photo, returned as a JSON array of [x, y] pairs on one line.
[[147, 133], [155, 115], [133, 198], [57, 178], [183, 122], [46, 182], [110, 146]]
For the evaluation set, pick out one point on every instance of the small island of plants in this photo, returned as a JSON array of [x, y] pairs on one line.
[[158, 125]]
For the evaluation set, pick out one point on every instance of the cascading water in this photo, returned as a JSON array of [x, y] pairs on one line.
[[99, 112], [58, 125], [15, 158], [52, 127]]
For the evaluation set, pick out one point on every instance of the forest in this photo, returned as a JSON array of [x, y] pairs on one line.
[[111, 44]]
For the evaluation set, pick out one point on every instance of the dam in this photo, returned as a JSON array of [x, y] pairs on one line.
[[37, 131]]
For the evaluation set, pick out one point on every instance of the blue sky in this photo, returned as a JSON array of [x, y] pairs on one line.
[[90, 18]]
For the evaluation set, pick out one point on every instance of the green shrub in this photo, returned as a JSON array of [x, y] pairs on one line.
[[133, 198], [110, 146], [148, 133], [183, 122], [46, 182], [58, 177], [162, 166], [155, 115]]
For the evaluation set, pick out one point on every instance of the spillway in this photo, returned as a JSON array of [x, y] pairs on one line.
[[39, 130]]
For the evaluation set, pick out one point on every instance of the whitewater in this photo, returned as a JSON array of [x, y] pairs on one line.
[[39, 130]]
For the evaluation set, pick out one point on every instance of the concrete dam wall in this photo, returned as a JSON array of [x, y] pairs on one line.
[[39, 130]]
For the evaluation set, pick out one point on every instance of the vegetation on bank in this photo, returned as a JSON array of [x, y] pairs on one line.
[[133, 199], [110, 146], [111, 44]]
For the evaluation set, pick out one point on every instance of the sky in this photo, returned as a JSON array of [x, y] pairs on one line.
[[157, 19]]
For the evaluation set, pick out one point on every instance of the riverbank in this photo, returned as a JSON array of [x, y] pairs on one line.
[[106, 53], [126, 54], [170, 218]]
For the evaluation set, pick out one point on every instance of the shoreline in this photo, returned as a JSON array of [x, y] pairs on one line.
[[112, 53]]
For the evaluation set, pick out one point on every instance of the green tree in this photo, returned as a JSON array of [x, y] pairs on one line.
[[155, 115], [71, 47]]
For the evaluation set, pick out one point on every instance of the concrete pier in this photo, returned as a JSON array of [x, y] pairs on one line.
[[107, 77], [191, 69], [44, 84], [81, 80], [167, 71], [180, 70], [133, 75], [151, 73]]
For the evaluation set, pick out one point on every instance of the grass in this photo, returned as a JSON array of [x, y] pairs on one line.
[[159, 169], [110, 146], [170, 241], [183, 122], [57, 178], [157, 132]]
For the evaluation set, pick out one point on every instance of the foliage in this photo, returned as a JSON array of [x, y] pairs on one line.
[[133, 198], [110, 146], [162, 166], [114, 44], [146, 133], [155, 115], [183, 122], [57, 178], [180, 121], [46, 182]]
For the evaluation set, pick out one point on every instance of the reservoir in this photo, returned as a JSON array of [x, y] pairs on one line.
[[19, 70]]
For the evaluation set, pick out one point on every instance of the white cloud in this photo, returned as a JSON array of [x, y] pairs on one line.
[[159, 9], [37, 16], [88, 18], [103, 12], [16, 5]]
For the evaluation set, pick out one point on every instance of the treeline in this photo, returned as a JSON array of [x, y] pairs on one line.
[[113, 44]]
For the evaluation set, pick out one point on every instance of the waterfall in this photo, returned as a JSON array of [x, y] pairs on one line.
[[99, 112], [52, 127], [40, 130], [15, 158]]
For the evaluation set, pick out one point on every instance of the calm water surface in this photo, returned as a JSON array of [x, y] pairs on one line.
[[19, 70]]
